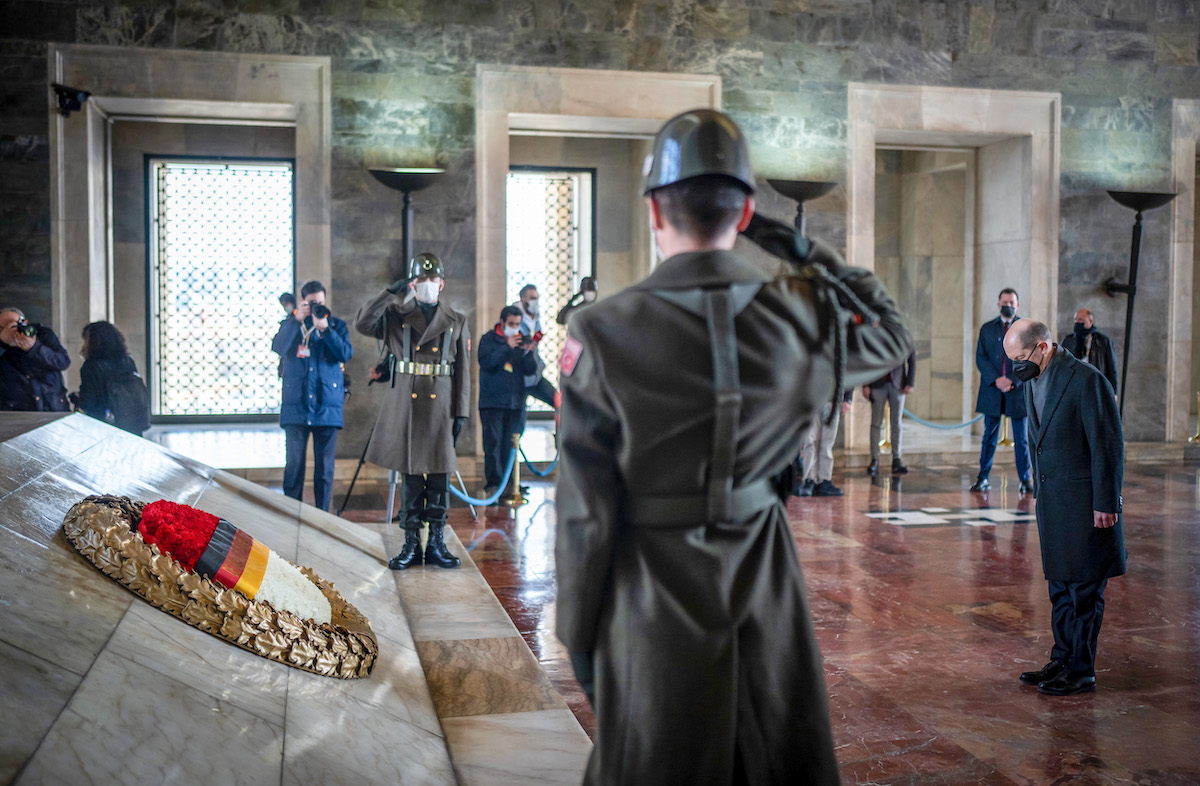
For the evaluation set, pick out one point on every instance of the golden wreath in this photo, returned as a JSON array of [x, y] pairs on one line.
[[103, 529]]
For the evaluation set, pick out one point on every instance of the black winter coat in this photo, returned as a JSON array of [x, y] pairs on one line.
[[32, 381], [1078, 456]]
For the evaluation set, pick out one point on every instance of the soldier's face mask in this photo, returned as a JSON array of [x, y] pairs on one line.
[[427, 290]]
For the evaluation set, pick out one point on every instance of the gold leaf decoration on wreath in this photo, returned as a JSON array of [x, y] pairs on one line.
[[103, 529]]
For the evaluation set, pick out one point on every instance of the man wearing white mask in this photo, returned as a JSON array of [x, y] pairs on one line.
[[536, 385], [426, 405], [505, 357], [581, 299]]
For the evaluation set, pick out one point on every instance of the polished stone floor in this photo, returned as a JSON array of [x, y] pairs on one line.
[[928, 602]]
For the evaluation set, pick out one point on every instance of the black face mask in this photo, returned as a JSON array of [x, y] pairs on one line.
[[1082, 331], [1007, 312], [1025, 370]]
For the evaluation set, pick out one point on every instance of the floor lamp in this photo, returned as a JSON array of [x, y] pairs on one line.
[[1139, 201]]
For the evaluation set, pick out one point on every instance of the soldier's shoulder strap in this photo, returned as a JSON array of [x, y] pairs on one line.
[[718, 307]]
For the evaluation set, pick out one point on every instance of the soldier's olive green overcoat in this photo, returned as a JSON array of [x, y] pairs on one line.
[[707, 670], [412, 433]]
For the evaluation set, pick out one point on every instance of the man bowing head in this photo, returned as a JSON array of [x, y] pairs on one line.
[[1078, 459]]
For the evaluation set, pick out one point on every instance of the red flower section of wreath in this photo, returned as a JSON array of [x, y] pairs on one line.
[[181, 531]]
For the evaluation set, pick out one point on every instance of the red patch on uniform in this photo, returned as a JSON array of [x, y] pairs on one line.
[[569, 356]]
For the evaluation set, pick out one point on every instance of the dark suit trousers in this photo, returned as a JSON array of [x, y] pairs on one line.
[[498, 427], [324, 450], [1075, 620], [991, 435], [425, 498]]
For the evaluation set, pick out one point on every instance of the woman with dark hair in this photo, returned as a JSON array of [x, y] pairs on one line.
[[110, 388]]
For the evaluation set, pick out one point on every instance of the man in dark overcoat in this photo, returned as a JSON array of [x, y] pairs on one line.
[[1089, 344], [680, 595], [1078, 463], [999, 394], [425, 405]]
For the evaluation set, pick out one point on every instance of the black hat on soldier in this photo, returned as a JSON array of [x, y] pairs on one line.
[[426, 265], [699, 142]]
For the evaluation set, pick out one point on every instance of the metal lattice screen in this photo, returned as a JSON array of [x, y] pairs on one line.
[[222, 250], [545, 211]]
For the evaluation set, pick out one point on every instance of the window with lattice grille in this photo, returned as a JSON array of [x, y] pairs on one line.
[[549, 245], [221, 252]]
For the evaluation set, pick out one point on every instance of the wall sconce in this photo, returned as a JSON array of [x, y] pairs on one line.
[[70, 99]]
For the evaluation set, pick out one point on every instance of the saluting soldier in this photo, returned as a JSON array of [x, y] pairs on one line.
[[685, 399], [425, 407]]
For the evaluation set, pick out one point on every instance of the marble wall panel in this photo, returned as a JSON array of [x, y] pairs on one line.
[[1111, 62]]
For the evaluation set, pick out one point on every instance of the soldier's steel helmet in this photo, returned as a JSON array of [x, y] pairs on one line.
[[695, 143], [426, 265]]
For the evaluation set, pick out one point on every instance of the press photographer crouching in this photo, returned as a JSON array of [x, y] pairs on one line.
[[31, 364], [312, 345]]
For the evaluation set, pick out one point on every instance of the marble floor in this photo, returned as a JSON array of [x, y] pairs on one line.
[[928, 602]]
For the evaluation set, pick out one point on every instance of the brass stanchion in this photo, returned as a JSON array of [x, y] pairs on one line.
[[513, 497], [885, 443], [1196, 437], [1004, 442]]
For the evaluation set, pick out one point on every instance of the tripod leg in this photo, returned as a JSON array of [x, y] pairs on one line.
[[393, 476], [362, 460]]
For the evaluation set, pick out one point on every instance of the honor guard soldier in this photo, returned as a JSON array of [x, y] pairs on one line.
[[685, 399], [425, 407]]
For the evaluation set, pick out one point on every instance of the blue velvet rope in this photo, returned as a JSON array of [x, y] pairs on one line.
[[541, 473], [512, 460], [970, 422]]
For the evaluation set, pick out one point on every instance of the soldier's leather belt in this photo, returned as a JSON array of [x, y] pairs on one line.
[[422, 369], [744, 502]]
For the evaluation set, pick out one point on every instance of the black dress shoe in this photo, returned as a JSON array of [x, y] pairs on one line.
[[898, 467], [981, 484], [1068, 683], [1049, 671], [1026, 487], [826, 489], [803, 489], [873, 467]]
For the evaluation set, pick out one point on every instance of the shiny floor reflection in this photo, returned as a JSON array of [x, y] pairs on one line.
[[925, 626]]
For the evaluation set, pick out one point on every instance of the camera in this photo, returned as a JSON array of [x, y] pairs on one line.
[[317, 310], [26, 329]]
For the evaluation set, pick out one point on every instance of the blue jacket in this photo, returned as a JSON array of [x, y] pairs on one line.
[[312, 386], [32, 381], [502, 372], [992, 363]]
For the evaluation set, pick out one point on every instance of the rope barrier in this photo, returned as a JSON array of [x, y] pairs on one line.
[[944, 426], [540, 473], [512, 460]]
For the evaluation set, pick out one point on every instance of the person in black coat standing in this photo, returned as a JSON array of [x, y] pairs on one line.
[[505, 359], [1078, 460], [999, 394], [1092, 346], [32, 361]]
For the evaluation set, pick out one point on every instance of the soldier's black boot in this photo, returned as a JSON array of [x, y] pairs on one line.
[[411, 553], [436, 552]]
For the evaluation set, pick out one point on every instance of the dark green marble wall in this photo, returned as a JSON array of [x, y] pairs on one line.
[[403, 93]]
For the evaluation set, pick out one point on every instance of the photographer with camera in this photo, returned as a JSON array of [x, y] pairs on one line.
[[31, 364], [313, 344]]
